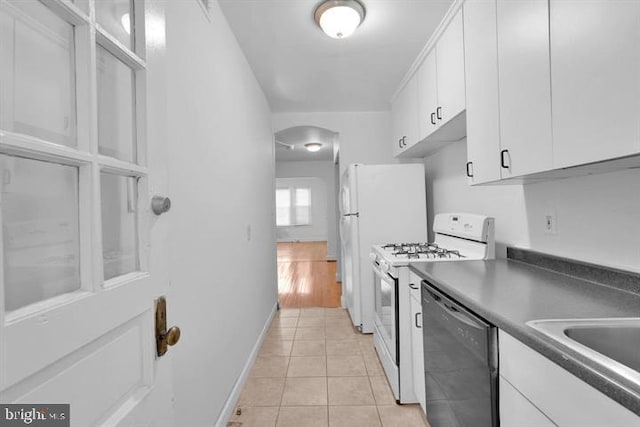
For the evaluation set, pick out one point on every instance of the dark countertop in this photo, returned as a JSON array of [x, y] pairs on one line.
[[509, 293]]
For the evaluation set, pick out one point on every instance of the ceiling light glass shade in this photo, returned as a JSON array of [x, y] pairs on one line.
[[313, 146], [339, 18]]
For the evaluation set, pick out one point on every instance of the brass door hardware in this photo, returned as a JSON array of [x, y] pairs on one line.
[[164, 338]]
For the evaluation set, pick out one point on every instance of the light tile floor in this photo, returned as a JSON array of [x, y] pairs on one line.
[[315, 369]]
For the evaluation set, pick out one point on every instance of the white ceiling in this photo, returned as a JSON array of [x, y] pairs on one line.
[[296, 137], [302, 70]]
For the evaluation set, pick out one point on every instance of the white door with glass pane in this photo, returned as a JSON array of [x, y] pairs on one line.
[[81, 135]]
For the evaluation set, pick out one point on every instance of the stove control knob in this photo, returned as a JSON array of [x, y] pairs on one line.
[[372, 256], [384, 266]]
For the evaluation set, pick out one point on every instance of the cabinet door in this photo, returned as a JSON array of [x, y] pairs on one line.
[[427, 96], [405, 117], [595, 77], [411, 114], [418, 352], [525, 86], [450, 68], [531, 373], [481, 80], [517, 411], [396, 125]]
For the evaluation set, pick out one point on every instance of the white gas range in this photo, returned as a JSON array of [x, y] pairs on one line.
[[458, 237]]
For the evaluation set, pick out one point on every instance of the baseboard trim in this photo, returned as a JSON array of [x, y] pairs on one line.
[[232, 400]]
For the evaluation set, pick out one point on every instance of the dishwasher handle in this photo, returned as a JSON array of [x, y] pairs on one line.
[[455, 310], [462, 317]]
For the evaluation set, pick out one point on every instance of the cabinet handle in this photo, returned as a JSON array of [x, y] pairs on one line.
[[416, 320], [470, 169], [439, 113], [400, 143], [502, 160], [412, 286], [433, 118], [404, 143]]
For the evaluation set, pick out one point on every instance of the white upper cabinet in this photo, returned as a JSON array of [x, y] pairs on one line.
[[404, 111], [481, 79], [595, 77], [524, 87], [450, 70], [427, 96], [440, 93]]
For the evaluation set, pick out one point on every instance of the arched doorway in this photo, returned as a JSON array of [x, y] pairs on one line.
[[307, 217]]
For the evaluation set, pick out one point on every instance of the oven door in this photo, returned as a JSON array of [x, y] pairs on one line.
[[386, 305]]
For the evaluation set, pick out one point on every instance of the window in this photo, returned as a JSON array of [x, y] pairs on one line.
[[64, 176], [293, 206]]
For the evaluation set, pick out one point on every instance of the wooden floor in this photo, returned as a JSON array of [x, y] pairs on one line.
[[305, 277]]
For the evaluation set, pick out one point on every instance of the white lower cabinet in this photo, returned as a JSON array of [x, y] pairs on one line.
[[418, 350], [517, 411], [563, 398]]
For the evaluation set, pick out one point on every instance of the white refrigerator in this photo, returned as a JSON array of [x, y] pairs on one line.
[[379, 204]]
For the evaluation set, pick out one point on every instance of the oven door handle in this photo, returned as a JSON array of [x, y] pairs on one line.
[[383, 276]]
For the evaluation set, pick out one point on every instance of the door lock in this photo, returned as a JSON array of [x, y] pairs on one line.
[[164, 338]]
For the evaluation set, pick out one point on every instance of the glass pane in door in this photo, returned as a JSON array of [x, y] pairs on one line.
[[116, 123], [116, 17], [119, 225], [37, 77], [39, 206]]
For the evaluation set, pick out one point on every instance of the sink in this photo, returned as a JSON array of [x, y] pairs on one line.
[[620, 343], [612, 343]]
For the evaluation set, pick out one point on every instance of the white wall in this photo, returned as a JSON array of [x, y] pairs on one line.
[[326, 205], [598, 216], [364, 136], [221, 166]]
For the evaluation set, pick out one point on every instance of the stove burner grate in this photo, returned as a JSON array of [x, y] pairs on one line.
[[419, 250]]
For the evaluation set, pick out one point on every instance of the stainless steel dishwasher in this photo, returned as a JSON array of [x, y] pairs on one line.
[[460, 363]]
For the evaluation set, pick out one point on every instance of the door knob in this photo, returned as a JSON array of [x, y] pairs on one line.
[[173, 336], [164, 337], [160, 204]]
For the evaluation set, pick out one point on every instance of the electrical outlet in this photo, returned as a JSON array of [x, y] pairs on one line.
[[550, 223]]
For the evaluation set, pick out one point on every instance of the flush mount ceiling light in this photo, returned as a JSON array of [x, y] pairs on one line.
[[339, 18], [313, 146]]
